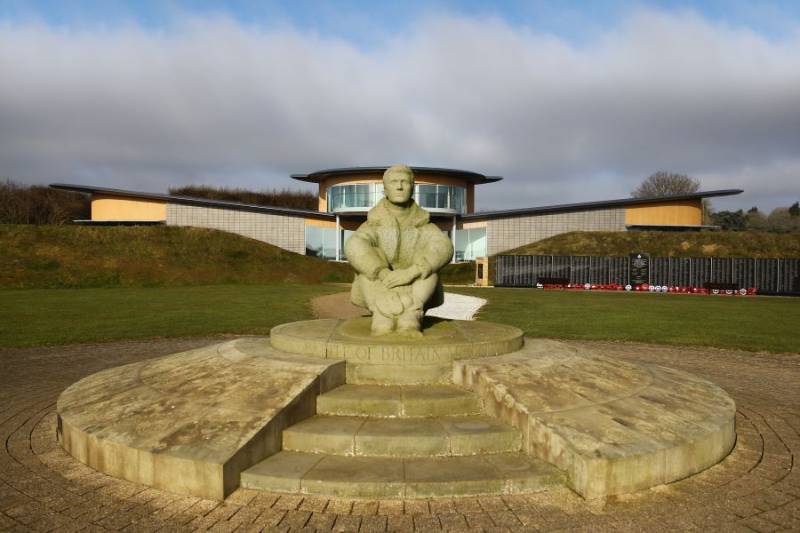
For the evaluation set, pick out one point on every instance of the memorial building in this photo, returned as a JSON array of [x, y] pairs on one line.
[[346, 194]]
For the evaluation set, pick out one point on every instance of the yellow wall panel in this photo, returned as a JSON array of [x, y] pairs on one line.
[[117, 208], [320, 223], [685, 213], [475, 224]]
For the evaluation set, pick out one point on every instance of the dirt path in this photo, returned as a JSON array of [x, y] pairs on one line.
[[336, 306]]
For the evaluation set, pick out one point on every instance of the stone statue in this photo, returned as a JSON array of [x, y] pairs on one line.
[[397, 253]]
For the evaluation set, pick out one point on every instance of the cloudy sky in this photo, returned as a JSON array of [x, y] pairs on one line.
[[567, 102]]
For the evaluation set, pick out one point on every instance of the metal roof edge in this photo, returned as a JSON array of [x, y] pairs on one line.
[[192, 201], [319, 175], [620, 202]]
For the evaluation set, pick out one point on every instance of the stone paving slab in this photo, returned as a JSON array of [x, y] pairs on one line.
[[190, 422], [615, 427], [756, 488]]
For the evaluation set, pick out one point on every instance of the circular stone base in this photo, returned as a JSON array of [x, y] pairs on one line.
[[442, 342]]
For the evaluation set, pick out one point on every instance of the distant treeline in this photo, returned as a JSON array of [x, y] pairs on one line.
[[270, 197], [780, 219], [23, 204]]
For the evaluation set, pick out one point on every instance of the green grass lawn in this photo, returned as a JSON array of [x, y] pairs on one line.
[[749, 323], [30, 317]]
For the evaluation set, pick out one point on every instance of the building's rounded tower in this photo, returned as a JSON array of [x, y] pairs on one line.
[[441, 191], [349, 193]]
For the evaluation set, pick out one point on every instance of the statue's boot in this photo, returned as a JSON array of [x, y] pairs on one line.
[[381, 324], [410, 322]]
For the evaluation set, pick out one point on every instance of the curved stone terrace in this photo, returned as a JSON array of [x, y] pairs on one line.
[[756, 488]]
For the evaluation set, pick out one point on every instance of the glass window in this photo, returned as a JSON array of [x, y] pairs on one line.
[[442, 192], [314, 241], [426, 196], [358, 195], [329, 243], [345, 234], [335, 198], [367, 195], [462, 239], [477, 238], [457, 202], [321, 242], [470, 244]]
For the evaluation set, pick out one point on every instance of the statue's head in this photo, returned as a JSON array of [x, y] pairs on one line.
[[398, 184]]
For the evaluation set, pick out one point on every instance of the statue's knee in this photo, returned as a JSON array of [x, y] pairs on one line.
[[425, 287]]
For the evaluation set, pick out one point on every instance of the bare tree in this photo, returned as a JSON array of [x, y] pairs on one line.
[[666, 183]]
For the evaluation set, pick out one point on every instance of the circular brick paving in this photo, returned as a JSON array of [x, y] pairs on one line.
[[756, 488]]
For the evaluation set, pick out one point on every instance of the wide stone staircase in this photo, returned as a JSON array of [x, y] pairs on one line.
[[400, 441]]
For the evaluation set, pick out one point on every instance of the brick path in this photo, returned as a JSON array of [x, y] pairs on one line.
[[756, 488]]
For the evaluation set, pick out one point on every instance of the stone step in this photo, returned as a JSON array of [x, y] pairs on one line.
[[399, 374], [407, 401], [401, 437], [380, 477]]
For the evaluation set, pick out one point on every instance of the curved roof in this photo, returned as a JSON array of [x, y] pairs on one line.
[[188, 200], [622, 202], [321, 175]]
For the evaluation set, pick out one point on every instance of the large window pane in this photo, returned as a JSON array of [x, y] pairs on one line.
[[477, 237], [314, 241], [321, 242], [367, 195], [345, 234], [470, 244], [457, 202], [462, 239], [358, 195], [442, 192], [426, 196], [329, 243]]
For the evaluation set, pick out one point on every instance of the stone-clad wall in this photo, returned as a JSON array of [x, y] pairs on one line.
[[506, 233], [287, 232]]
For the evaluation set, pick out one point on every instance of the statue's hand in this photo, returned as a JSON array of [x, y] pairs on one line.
[[399, 278]]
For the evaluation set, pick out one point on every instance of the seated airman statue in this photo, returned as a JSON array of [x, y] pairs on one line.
[[397, 253]]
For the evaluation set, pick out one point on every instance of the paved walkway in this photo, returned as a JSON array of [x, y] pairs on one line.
[[756, 488], [457, 307]]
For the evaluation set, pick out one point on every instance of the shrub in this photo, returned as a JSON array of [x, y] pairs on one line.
[[22, 204], [270, 197]]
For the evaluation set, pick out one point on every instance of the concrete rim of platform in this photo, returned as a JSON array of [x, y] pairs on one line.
[[442, 342]]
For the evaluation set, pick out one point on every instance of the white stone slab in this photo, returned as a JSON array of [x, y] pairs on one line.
[[457, 307]]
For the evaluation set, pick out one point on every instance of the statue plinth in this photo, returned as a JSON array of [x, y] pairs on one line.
[[395, 358]]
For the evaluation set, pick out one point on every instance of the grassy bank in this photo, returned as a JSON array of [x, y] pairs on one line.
[[32, 317], [81, 256], [673, 244], [749, 323], [458, 274]]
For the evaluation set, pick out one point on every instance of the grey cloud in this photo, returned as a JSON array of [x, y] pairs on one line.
[[220, 103]]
